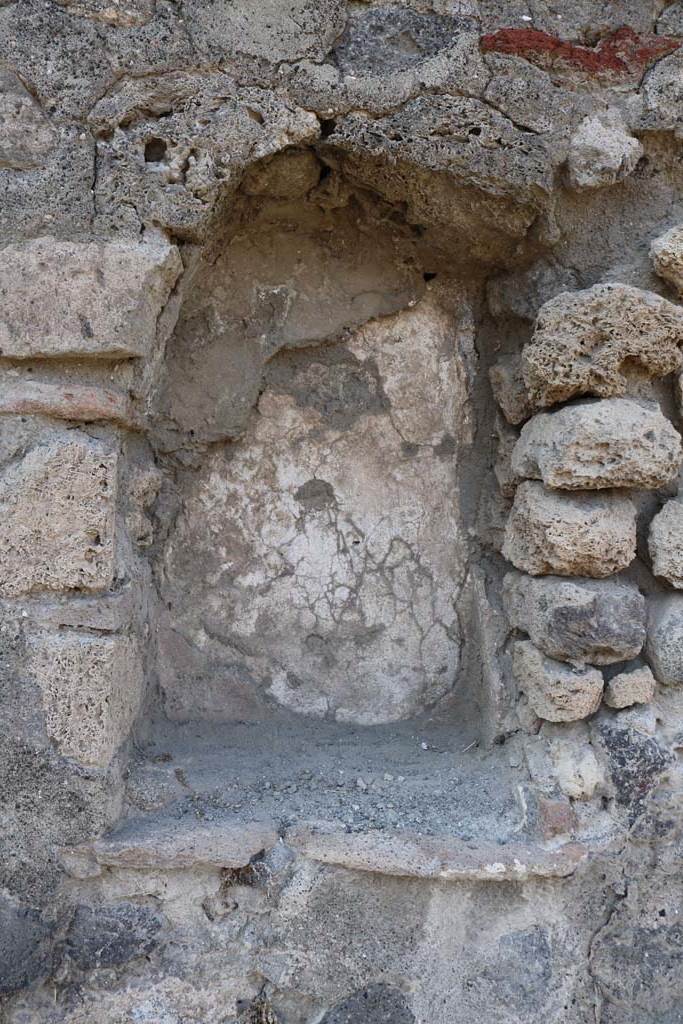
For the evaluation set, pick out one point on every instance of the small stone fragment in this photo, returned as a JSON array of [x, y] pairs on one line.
[[98, 299], [556, 692], [91, 687], [613, 442], [664, 645], [66, 401], [666, 253], [555, 817], [523, 292], [666, 543], [591, 342], [627, 688], [601, 152], [509, 389], [578, 534], [57, 518], [579, 621]]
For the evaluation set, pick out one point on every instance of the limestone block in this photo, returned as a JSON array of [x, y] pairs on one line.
[[664, 644], [556, 692], [666, 253], [579, 534], [601, 153], [579, 621], [91, 688], [589, 342], [509, 389], [666, 543], [627, 688], [576, 768], [57, 518], [98, 299], [615, 442]]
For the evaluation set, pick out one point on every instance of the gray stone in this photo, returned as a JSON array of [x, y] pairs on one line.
[[109, 936], [376, 1004], [614, 442], [578, 620], [664, 645], [601, 152], [26, 136], [91, 689], [24, 949], [555, 691], [592, 342], [57, 517], [62, 299], [666, 543], [509, 389], [577, 534], [522, 293], [666, 253]]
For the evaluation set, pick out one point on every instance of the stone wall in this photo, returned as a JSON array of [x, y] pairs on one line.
[[341, 563]]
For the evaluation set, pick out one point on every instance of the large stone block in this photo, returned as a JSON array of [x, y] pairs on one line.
[[98, 299], [578, 534], [91, 688], [555, 691], [595, 621], [57, 518], [615, 442], [589, 342], [666, 543], [664, 645]]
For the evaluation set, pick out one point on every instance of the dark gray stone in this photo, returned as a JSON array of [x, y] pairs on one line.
[[389, 38], [578, 620], [376, 1004], [24, 949], [113, 935]]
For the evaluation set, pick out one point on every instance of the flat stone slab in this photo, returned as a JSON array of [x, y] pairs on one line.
[[171, 845], [436, 857], [155, 845]]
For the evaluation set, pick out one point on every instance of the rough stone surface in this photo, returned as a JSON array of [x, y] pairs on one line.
[[66, 401], [66, 299], [27, 136], [91, 690], [510, 390], [615, 442], [634, 687], [601, 153], [57, 521], [109, 936], [579, 534], [666, 253], [664, 645], [556, 692], [578, 621], [592, 342], [666, 543]]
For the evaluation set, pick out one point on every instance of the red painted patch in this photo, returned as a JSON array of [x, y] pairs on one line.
[[624, 52]]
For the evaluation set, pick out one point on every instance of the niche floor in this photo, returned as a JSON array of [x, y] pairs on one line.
[[421, 776]]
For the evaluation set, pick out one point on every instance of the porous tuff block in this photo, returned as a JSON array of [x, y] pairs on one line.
[[627, 688], [556, 692], [91, 688], [578, 534], [588, 342], [666, 543], [578, 621], [98, 299], [57, 518], [615, 442]]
